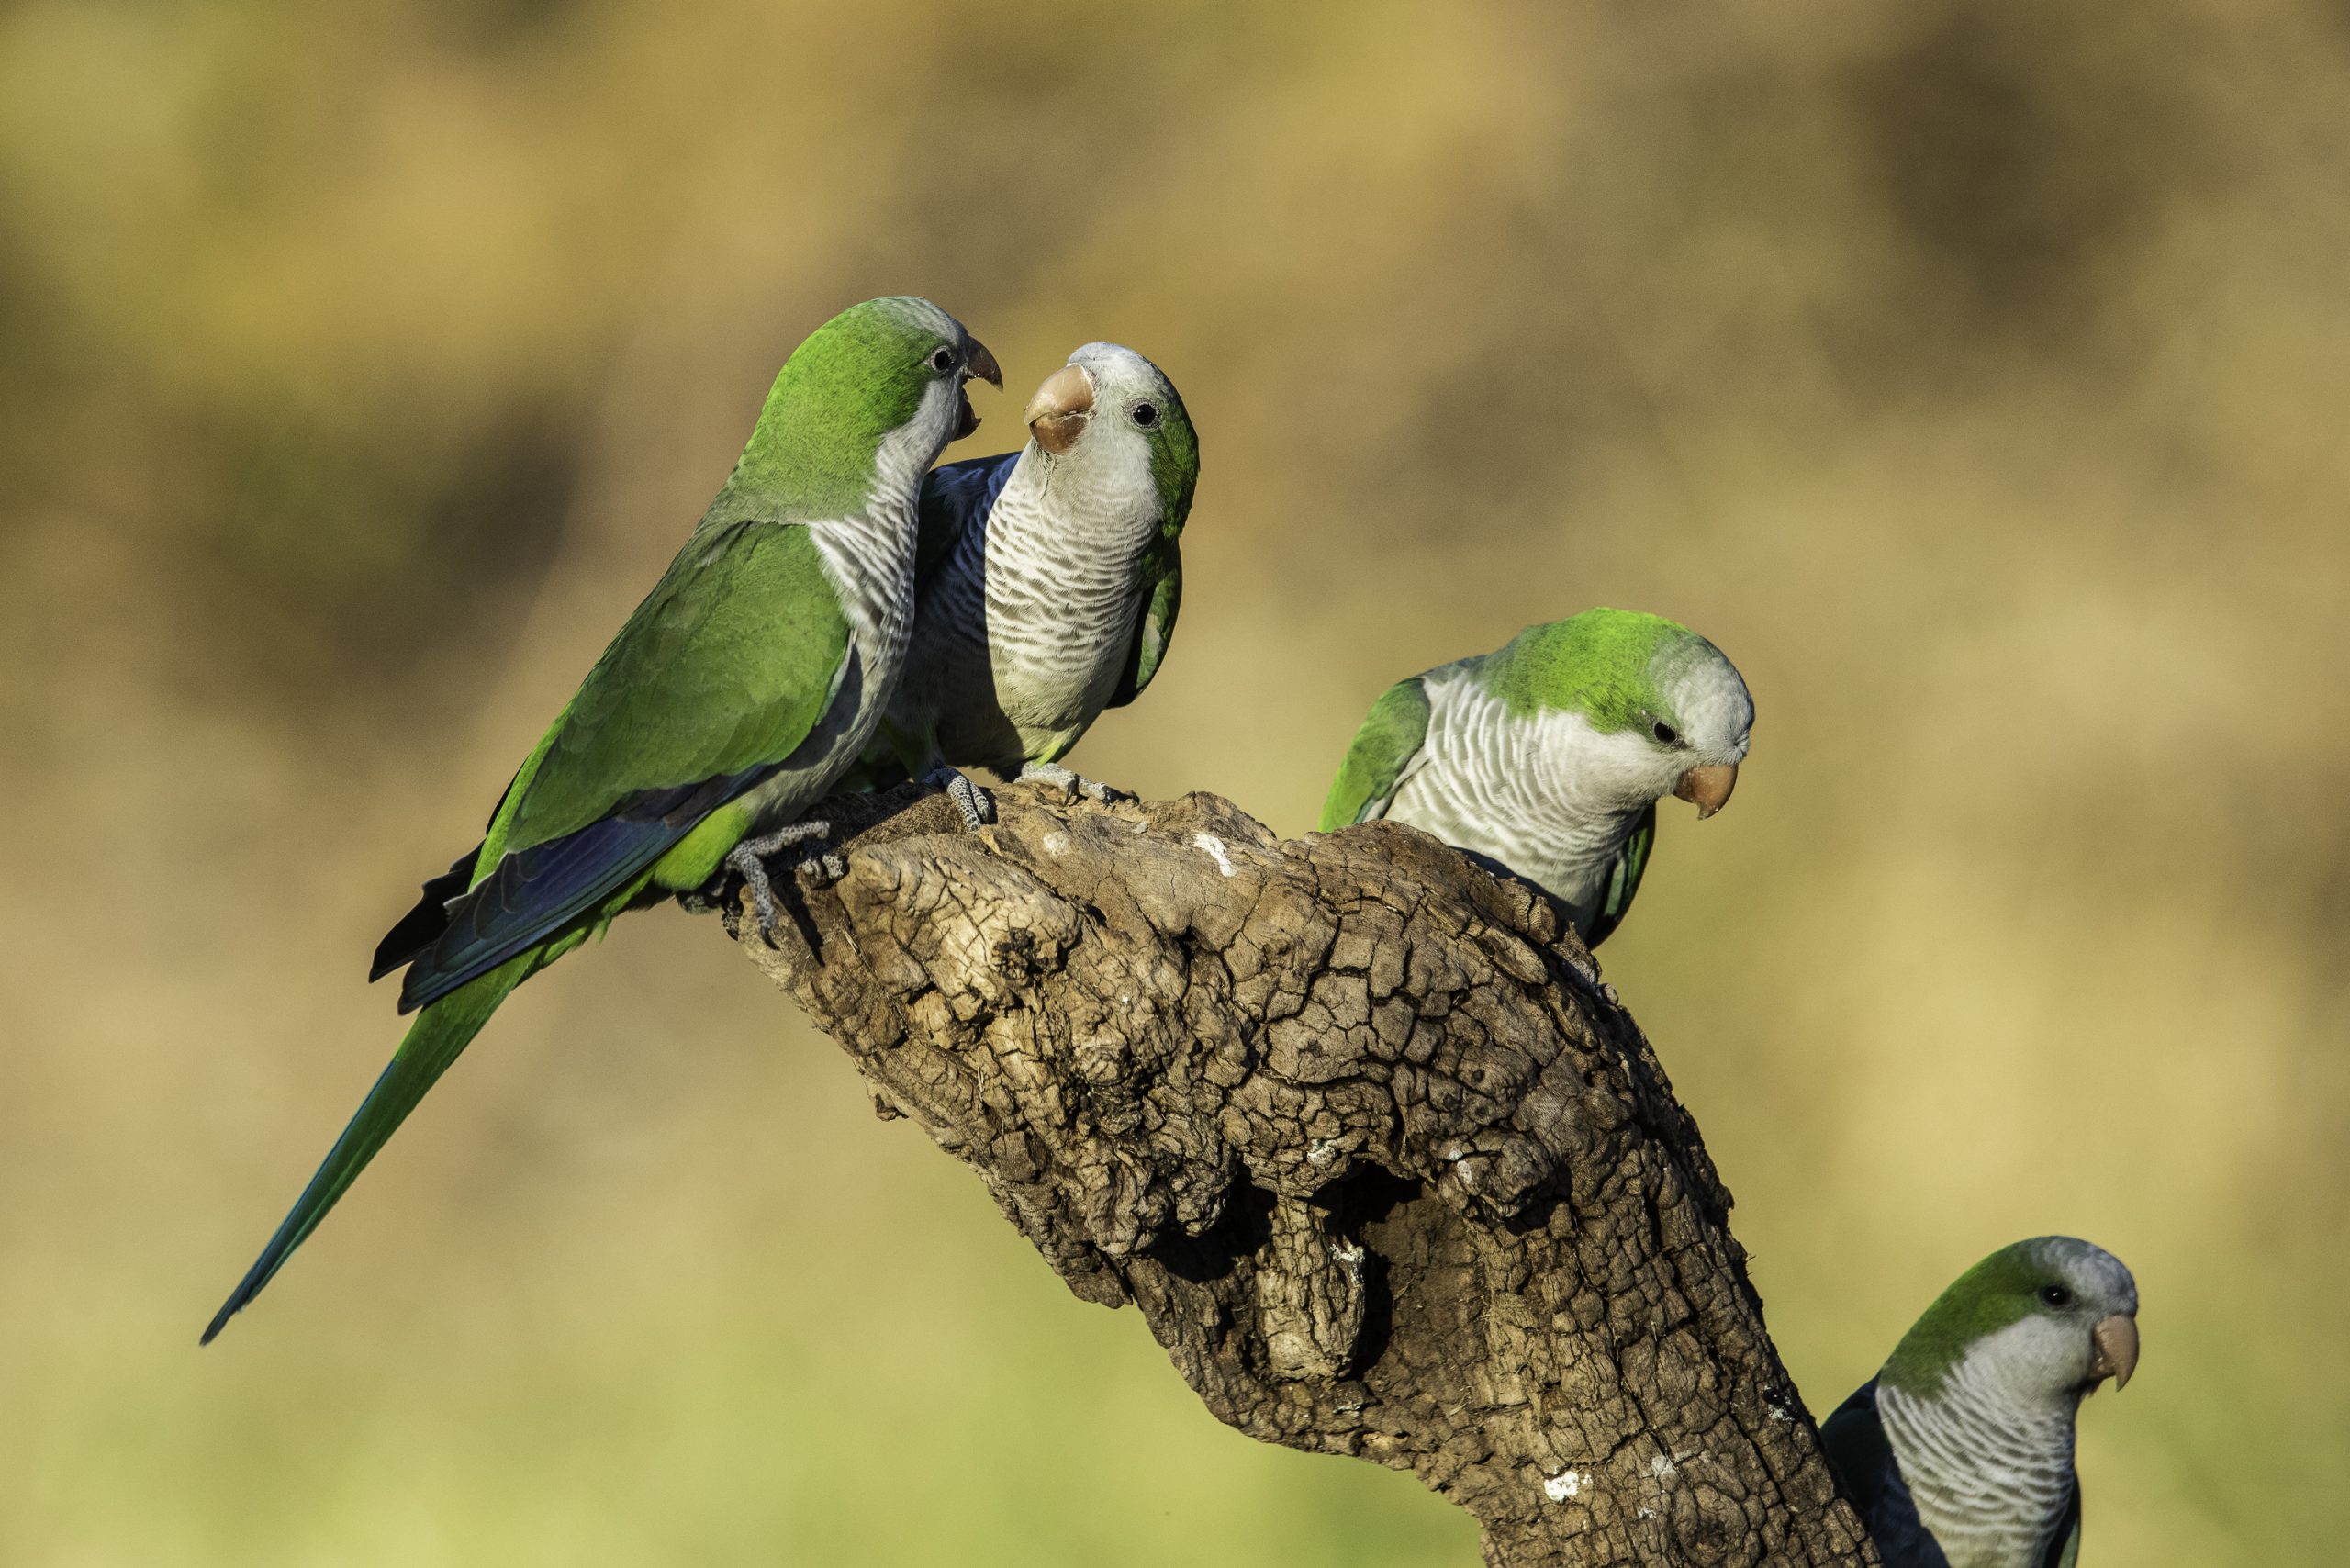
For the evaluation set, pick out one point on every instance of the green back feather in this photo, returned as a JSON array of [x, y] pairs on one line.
[[1623, 879], [728, 663], [1392, 735], [1174, 474], [1160, 584], [2067, 1551], [1174, 459]]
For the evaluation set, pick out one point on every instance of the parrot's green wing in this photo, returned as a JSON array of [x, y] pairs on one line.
[[724, 669], [716, 680], [727, 665], [1384, 749], [2067, 1551], [1160, 589], [1624, 878]]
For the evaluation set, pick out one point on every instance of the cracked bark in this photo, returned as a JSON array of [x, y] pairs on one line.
[[1344, 1117]]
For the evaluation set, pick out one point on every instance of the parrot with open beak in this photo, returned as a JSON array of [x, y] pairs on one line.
[[733, 700]]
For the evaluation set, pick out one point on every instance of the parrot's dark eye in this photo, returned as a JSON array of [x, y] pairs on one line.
[[2055, 1295], [942, 359], [1146, 414], [1664, 732]]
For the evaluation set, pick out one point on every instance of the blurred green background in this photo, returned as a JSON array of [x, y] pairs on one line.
[[1972, 373]]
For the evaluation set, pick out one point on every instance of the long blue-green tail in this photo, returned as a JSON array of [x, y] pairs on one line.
[[437, 1038]]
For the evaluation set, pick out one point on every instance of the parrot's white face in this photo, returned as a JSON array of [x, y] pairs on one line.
[[1980, 1398], [1098, 411], [1715, 711], [1705, 723], [2080, 1329]]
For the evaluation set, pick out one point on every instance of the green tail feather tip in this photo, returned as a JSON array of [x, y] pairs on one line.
[[439, 1036]]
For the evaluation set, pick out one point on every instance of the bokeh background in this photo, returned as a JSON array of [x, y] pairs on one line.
[[1975, 374]]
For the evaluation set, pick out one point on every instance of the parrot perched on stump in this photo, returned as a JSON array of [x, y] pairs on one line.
[[1551, 753], [1050, 579], [733, 699], [1959, 1453]]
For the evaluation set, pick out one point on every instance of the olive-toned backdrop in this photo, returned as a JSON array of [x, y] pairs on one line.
[[1974, 373]]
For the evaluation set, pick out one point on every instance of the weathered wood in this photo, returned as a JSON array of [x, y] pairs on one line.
[[1352, 1122]]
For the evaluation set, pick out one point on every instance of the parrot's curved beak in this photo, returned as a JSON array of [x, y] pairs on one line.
[[2116, 1356], [1057, 415], [981, 364], [1707, 787]]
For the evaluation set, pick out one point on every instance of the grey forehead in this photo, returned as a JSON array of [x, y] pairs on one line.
[[2092, 1270], [1698, 674], [1120, 366], [914, 310]]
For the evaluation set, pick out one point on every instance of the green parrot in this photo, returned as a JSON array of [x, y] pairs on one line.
[[1551, 753], [1050, 580], [1959, 1453], [733, 700]]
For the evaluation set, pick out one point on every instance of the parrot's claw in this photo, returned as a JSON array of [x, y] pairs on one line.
[[1062, 778], [748, 861], [975, 805], [1587, 974]]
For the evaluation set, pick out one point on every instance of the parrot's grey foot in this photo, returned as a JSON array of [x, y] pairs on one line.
[[1587, 974], [748, 861], [976, 806], [1060, 778]]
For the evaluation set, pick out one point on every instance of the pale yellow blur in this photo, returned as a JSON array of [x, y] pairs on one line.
[[1974, 375]]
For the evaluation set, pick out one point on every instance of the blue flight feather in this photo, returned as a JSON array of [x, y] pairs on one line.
[[534, 892]]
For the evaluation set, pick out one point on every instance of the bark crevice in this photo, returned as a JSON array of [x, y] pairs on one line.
[[1354, 1124]]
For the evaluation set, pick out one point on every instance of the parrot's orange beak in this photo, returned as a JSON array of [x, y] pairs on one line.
[[1057, 415], [2116, 1356], [1707, 787]]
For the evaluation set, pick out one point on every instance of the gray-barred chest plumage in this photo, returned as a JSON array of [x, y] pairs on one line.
[[1992, 1483], [1513, 788], [869, 560], [1021, 637]]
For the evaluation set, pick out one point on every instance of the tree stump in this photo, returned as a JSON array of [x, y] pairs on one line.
[[1354, 1124]]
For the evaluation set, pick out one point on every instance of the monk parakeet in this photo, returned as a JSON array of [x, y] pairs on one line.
[[1959, 1453], [1050, 577], [735, 696], [1551, 753]]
